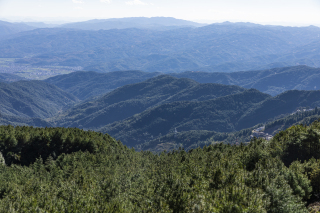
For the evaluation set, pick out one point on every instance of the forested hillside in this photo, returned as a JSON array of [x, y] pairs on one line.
[[23, 121], [33, 99], [224, 114], [271, 81], [57, 169], [284, 103], [86, 85], [220, 114], [7, 77], [135, 98], [198, 138]]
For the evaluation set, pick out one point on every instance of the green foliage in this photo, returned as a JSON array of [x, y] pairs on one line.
[[71, 170], [23, 145], [299, 142]]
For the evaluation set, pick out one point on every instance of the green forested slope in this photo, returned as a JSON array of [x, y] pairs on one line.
[[225, 114], [135, 98], [88, 171], [86, 85], [199, 138], [304, 118], [284, 103], [220, 114], [33, 99], [271, 81], [23, 121]]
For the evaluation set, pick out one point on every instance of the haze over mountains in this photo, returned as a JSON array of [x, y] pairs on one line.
[[154, 23], [223, 47], [7, 28]]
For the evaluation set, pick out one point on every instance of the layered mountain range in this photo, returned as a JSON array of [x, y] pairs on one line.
[[141, 108], [179, 46]]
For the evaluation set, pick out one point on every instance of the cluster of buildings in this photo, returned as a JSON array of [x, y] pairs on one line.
[[259, 133], [301, 110]]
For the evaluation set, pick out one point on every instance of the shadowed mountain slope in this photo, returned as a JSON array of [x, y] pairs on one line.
[[86, 85], [284, 103], [23, 121], [33, 99], [198, 138], [225, 114], [271, 81], [135, 98], [7, 77], [220, 114]]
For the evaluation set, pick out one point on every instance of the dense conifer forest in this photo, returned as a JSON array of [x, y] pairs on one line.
[[71, 170]]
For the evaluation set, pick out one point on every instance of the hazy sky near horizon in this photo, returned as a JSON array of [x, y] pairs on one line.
[[300, 12]]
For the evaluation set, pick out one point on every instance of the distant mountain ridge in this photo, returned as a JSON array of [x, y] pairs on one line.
[[272, 81], [224, 47], [156, 23], [8, 28], [86, 85]]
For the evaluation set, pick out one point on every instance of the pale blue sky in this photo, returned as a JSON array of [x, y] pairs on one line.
[[286, 12]]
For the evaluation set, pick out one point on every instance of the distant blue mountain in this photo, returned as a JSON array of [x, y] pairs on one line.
[[223, 47], [155, 23], [8, 28]]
